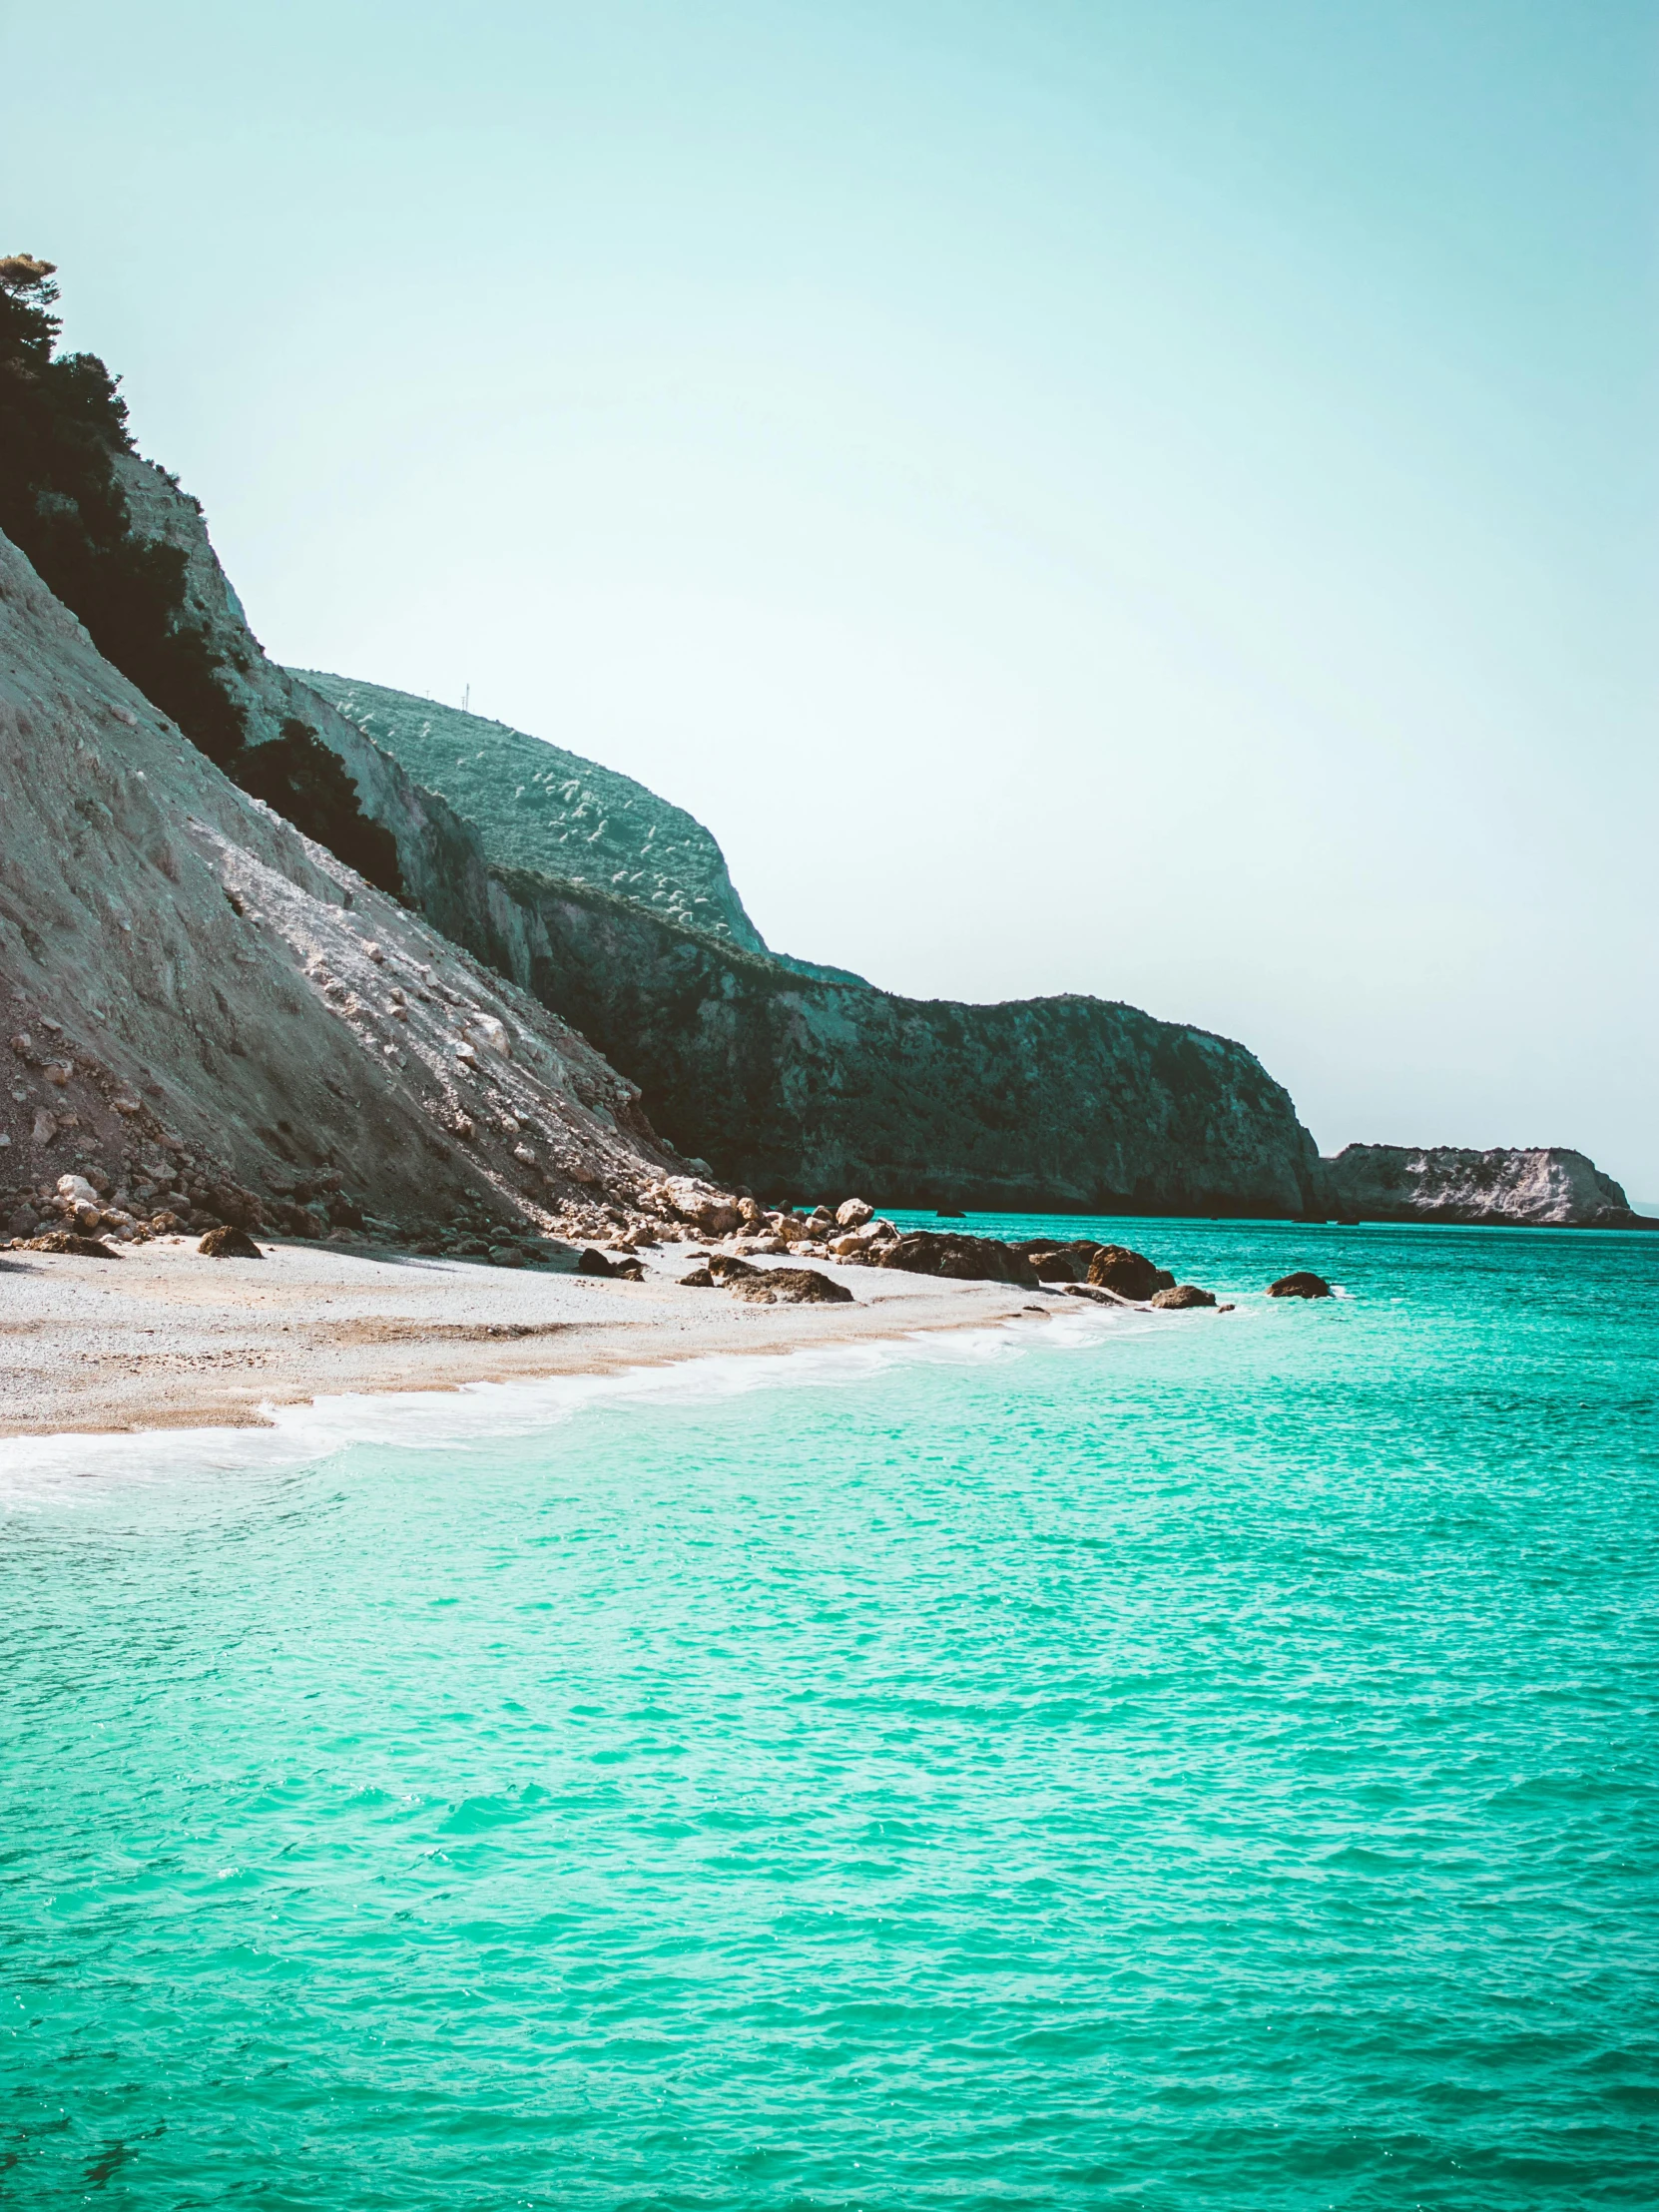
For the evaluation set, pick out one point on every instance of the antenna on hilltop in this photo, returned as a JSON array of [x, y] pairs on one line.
[[466, 698]]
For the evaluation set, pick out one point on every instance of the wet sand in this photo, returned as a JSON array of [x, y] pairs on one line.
[[162, 1337]]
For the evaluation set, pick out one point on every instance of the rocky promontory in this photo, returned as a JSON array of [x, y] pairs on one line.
[[1543, 1186]]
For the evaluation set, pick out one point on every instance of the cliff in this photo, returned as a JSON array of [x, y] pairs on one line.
[[805, 1080], [200, 1000], [795, 1085], [1542, 1187], [783, 1076]]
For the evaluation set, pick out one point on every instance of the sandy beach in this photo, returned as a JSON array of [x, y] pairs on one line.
[[162, 1337]]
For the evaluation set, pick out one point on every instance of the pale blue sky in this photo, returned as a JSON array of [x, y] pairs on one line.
[[1147, 499]]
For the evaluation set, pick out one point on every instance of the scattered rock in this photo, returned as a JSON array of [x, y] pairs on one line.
[[961, 1259], [71, 1240], [1304, 1284], [699, 1280], [491, 1034], [1130, 1274], [1182, 1296], [853, 1213], [709, 1212], [228, 1243], [77, 1189], [1060, 1263], [594, 1262], [789, 1287]]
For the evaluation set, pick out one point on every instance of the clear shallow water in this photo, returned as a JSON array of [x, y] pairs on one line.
[[1209, 1760]]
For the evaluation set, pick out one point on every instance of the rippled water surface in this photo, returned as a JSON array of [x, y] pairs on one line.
[[1192, 1760]]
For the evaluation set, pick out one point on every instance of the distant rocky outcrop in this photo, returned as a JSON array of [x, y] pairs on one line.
[[1544, 1186], [205, 1017]]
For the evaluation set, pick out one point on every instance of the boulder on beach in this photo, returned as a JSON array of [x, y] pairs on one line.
[[624, 1270], [699, 1280], [959, 1259], [1130, 1274], [1180, 1295], [789, 1287], [1304, 1284], [72, 1240], [228, 1243]]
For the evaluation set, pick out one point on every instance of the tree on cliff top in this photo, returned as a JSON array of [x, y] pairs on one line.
[[62, 423]]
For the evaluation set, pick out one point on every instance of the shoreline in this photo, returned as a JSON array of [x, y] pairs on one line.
[[164, 1338]]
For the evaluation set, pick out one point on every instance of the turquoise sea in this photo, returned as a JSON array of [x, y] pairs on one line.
[[1155, 1761]]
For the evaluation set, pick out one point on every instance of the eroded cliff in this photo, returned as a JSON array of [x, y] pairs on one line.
[[196, 998]]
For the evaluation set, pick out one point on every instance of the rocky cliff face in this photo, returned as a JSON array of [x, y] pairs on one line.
[[799, 1079], [798, 1086], [782, 1076], [1545, 1187], [195, 996]]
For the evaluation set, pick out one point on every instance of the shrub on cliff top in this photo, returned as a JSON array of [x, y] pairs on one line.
[[62, 423]]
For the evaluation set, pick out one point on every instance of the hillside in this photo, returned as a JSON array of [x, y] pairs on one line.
[[207, 1011], [535, 805], [795, 1078]]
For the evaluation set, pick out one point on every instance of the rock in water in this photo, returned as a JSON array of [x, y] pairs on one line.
[[225, 1243], [1180, 1295], [1304, 1284], [1130, 1274]]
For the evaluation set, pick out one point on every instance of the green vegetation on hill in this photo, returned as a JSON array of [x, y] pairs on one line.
[[62, 425], [538, 807]]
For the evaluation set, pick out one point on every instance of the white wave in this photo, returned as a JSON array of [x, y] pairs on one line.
[[474, 1413]]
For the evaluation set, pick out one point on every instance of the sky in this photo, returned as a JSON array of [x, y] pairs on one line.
[[1157, 501]]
